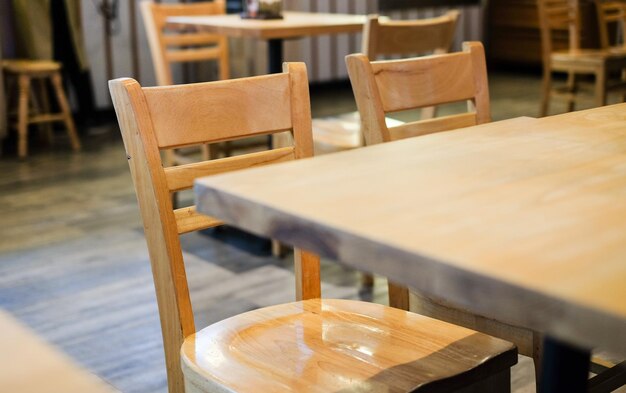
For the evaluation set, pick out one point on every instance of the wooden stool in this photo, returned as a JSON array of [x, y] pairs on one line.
[[25, 71]]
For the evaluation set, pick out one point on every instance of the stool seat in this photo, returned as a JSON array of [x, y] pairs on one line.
[[330, 345], [30, 66]]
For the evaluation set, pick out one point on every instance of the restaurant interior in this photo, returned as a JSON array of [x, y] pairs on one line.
[[313, 196]]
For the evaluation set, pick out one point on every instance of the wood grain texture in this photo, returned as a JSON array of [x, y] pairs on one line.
[[524, 218], [343, 345], [30, 365], [294, 24], [197, 116], [387, 86]]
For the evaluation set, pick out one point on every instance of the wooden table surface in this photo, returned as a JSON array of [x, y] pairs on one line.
[[30, 365], [294, 24], [521, 220]]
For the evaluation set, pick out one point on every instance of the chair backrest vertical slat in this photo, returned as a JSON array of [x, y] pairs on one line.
[[381, 87], [189, 118]]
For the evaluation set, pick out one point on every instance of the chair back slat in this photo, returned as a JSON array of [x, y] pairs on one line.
[[199, 38], [189, 55], [153, 118], [430, 126], [187, 115], [439, 79], [381, 87], [384, 37], [189, 220], [181, 177]]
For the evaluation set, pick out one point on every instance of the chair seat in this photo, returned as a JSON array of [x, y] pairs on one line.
[[591, 58], [30, 66], [343, 132], [325, 345]]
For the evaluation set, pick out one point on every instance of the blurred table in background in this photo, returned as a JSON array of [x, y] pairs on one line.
[[30, 365]]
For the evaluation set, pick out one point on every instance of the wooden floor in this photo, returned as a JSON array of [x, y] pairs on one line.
[[74, 264]]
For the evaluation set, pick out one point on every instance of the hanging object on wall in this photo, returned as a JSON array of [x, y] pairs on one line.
[[108, 9]]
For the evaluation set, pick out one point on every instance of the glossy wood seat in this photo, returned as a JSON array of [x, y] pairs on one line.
[[309, 345], [342, 345], [562, 15], [33, 104], [385, 37]]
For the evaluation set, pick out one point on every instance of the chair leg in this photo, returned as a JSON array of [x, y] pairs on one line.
[[65, 109], [398, 296], [367, 280], [428, 112], [22, 115], [546, 89], [601, 87], [571, 88], [537, 356]]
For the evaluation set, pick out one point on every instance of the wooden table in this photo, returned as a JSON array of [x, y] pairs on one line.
[[30, 365], [293, 25], [522, 220]]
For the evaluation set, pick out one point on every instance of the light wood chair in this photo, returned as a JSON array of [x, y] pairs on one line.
[[33, 107], [181, 44], [611, 14], [309, 345], [563, 15], [385, 37]]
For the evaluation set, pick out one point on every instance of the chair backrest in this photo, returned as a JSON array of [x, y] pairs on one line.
[[156, 118], [558, 15], [382, 87], [175, 44], [611, 14], [385, 37]]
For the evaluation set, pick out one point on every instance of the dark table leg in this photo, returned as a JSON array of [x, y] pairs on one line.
[[274, 65], [275, 55], [565, 368]]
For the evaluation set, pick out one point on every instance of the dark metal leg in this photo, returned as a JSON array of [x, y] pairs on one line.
[[275, 55], [274, 65], [564, 368]]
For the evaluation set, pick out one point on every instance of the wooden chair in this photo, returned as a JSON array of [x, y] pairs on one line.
[[309, 345], [563, 15], [32, 111], [385, 37], [182, 44], [611, 14]]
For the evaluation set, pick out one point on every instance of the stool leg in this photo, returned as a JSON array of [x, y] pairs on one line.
[[22, 116], [65, 109], [601, 87], [45, 103]]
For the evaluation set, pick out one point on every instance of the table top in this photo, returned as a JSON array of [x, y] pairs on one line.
[[294, 24], [30, 365], [522, 220]]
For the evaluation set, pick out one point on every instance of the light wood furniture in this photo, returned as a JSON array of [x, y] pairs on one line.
[[524, 221], [30, 365], [514, 33], [611, 14], [316, 345], [383, 87], [564, 15], [26, 72], [385, 37], [170, 43]]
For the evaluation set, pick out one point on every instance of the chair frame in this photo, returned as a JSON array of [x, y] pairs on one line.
[[565, 15], [137, 109]]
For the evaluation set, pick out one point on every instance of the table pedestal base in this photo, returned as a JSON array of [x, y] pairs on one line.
[[564, 368]]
